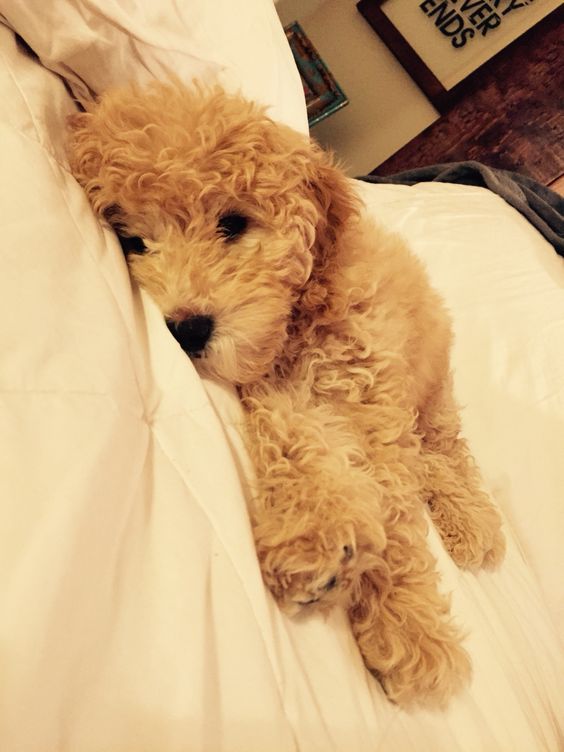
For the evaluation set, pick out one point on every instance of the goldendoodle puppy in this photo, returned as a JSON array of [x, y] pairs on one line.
[[255, 248]]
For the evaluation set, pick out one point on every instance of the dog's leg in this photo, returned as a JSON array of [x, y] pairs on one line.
[[399, 618], [466, 518], [315, 512], [401, 621]]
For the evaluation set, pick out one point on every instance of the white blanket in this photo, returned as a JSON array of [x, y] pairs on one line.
[[133, 617]]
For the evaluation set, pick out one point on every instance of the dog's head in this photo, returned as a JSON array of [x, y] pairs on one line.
[[232, 217]]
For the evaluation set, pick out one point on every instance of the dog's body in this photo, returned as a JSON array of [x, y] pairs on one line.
[[257, 253]]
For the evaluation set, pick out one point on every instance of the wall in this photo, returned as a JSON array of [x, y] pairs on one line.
[[386, 108]]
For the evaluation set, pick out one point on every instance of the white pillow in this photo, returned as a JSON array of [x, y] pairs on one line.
[[96, 44]]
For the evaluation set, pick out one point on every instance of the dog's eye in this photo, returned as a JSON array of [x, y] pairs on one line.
[[132, 244], [231, 226]]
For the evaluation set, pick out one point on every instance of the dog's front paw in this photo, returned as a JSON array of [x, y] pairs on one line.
[[479, 552], [430, 674], [476, 546], [316, 569], [416, 667], [406, 637], [495, 553]]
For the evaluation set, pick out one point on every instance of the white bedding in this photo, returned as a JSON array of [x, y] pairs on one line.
[[133, 617]]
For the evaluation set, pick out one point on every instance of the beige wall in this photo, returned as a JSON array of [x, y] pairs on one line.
[[386, 108]]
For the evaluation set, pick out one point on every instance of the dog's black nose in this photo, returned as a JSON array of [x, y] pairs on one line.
[[193, 333]]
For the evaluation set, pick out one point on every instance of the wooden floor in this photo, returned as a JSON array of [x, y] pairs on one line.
[[511, 117]]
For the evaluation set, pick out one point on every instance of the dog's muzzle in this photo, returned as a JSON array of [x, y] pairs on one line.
[[193, 333]]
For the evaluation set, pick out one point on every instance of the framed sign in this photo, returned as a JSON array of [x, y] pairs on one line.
[[323, 94], [441, 43]]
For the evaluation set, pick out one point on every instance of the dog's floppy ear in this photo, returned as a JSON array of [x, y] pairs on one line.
[[333, 196], [85, 151], [84, 146], [102, 148], [336, 206]]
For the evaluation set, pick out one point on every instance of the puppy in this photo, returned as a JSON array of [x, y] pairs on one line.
[[254, 246]]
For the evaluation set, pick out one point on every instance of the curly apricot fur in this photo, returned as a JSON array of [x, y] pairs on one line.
[[339, 348]]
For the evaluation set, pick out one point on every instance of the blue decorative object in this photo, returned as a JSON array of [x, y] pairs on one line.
[[323, 94]]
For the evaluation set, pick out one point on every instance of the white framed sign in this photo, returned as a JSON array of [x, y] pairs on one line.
[[442, 42]]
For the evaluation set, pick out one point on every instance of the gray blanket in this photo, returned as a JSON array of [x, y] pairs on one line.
[[541, 206]]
